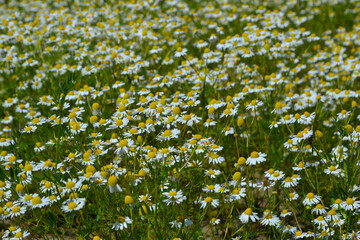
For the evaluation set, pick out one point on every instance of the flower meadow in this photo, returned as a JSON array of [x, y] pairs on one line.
[[180, 119]]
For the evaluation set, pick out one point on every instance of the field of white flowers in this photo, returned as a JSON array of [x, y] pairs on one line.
[[180, 119]]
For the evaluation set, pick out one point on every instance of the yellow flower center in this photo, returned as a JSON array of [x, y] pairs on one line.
[[123, 143], [237, 176], [36, 200], [72, 115], [16, 209], [349, 201], [332, 212], [288, 179], [112, 181], [172, 193], [338, 201], [70, 184], [254, 155], [167, 133], [319, 206], [248, 211], [129, 200], [121, 219], [310, 195], [28, 197], [72, 205], [18, 235], [12, 159]]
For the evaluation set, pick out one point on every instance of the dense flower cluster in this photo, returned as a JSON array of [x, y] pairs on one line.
[[180, 119]]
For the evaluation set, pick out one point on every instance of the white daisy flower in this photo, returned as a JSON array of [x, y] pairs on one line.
[[215, 158], [122, 223], [74, 204], [214, 221], [39, 202], [319, 209], [208, 201], [247, 215], [351, 204], [173, 197], [16, 211], [254, 105], [180, 52], [212, 173], [285, 213], [256, 158], [311, 199], [269, 219], [169, 134]]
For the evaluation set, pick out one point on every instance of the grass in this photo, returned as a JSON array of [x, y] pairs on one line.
[[179, 120]]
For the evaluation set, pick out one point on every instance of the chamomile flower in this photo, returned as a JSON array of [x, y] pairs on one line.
[[29, 129], [311, 199], [5, 185], [214, 221], [254, 105], [168, 134], [9, 102], [144, 198], [299, 235], [333, 216], [212, 173], [73, 204], [269, 219], [276, 175], [15, 233], [47, 186], [180, 52], [77, 127], [320, 222], [350, 204], [113, 184], [289, 182], [293, 196], [72, 185], [319, 209], [342, 115], [256, 158], [16, 211], [39, 202], [228, 131], [5, 195], [122, 223], [209, 188], [209, 122], [237, 194], [285, 213], [173, 197], [214, 158], [247, 215], [334, 170], [208, 201]]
